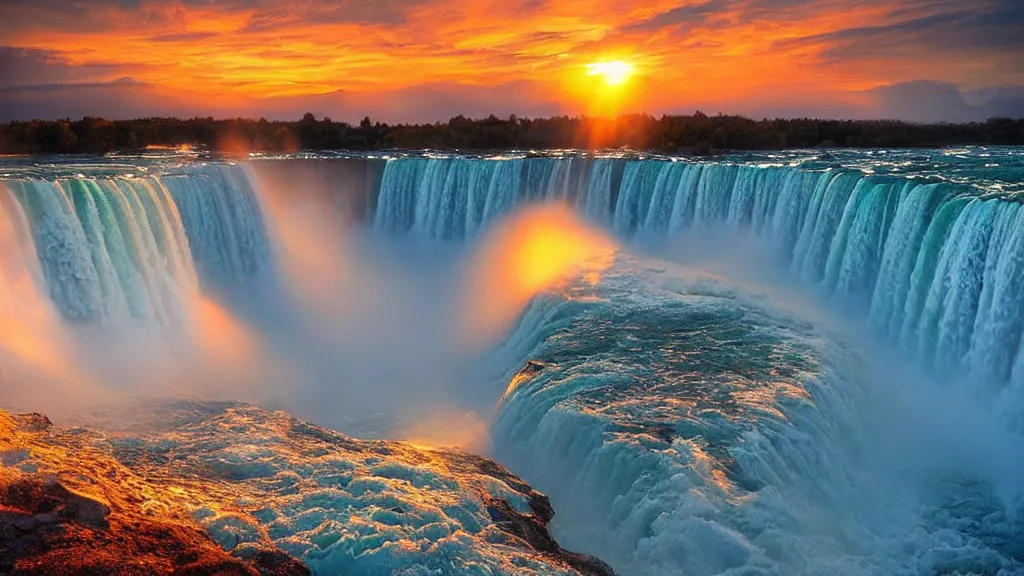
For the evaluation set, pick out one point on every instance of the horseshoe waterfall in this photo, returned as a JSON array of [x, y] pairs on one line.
[[792, 363]]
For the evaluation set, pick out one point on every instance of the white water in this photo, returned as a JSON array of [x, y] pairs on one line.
[[936, 270]]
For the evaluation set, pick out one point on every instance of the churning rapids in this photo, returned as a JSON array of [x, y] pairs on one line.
[[794, 363]]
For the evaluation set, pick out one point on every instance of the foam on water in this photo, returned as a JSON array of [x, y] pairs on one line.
[[685, 426]]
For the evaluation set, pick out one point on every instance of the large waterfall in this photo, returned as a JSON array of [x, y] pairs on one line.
[[683, 426], [114, 249], [936, 268]]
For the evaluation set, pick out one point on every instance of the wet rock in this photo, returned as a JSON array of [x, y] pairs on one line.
[[32, 422], [51, 502], [48, 528], [531, 529], [271, 562], [248, 471]]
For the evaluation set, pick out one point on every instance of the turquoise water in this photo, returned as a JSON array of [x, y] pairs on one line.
[[804, 362]]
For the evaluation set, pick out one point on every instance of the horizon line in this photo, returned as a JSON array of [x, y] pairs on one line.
[[508, 118]]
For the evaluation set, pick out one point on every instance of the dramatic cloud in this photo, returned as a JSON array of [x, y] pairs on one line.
[[427, 60]]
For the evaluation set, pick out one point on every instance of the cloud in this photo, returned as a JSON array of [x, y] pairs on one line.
[[983, 26], [128, 98], [431, 59], [391, 12], [26, 66], [690, 14], [183, 37], [66, 86], [1002, 101]]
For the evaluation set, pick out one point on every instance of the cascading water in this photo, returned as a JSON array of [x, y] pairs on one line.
[[111, 249], [935, 268], [20, 263], [225, 229], [687, 428], [915, 255], [682, 424]]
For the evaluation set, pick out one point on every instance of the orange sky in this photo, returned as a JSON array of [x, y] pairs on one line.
[[431, 59]]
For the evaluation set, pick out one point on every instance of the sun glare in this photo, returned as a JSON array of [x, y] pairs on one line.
[[613, 73], [538, 249]]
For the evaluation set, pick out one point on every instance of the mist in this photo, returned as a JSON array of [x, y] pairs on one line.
[[398, 337], [372, 335]]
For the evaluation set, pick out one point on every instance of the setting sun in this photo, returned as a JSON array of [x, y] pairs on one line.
[[613, 73]]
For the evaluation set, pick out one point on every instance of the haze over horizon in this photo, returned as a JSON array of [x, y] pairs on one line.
[[429, 60]]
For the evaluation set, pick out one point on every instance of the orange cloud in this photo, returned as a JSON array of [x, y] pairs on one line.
[[251, 55]]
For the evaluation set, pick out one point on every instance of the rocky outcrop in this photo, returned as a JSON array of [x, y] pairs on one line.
[[78, 512], [531, 528], [227, 488]]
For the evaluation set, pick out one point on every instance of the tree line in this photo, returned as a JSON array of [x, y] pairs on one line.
[[690, 134]]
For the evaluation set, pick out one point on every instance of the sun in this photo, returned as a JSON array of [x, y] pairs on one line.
[[614, 73]]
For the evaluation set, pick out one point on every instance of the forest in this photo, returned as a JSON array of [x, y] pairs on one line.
[[696, 134]]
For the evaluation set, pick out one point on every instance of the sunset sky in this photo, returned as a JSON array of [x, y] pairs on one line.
[[428, 60]]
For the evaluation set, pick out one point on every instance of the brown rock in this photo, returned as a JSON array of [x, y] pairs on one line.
[[32, 422], [47, 529]]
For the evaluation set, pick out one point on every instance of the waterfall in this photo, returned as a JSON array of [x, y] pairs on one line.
[[455, 198], [934, 267], [120, 249], [668, 416], [225, 228]]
